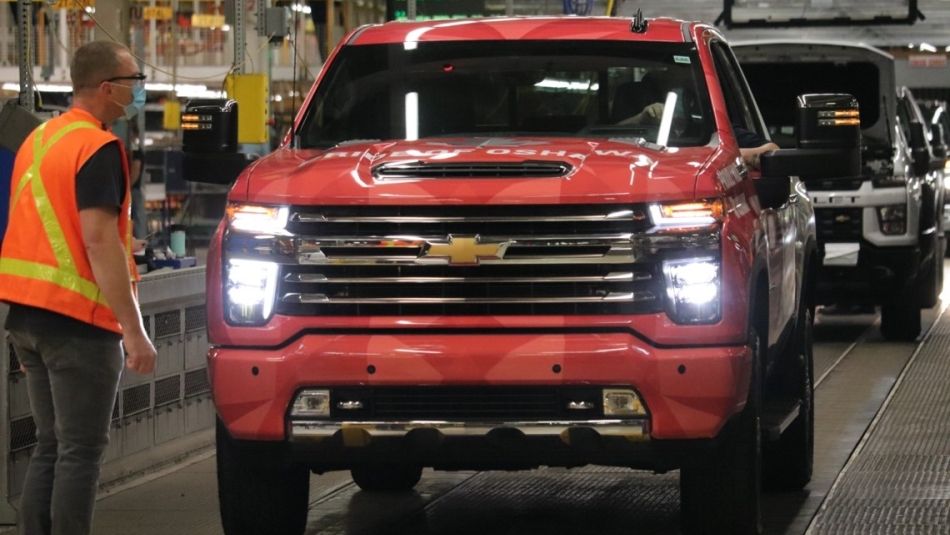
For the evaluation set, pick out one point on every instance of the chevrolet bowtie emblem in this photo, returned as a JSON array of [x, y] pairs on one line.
[[465, 250], [842, 218]]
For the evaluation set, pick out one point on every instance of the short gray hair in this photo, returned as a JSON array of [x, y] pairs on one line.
[[94, 62]]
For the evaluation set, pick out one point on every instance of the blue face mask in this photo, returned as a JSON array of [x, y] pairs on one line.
[[138, 101]]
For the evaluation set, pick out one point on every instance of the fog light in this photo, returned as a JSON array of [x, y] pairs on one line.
[[312, 403], [622, 403], [893, 219]]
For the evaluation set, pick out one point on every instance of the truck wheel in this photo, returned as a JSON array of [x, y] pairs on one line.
[[900, 321], [720, 493], [259, 492], [788, 461], [386, 477], [931, 280]]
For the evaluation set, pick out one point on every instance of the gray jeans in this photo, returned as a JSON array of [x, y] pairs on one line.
[[72, 386]]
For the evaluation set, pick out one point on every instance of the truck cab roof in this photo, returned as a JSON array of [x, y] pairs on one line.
[[524, 28]]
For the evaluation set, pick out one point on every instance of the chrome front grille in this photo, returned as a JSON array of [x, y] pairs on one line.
[[469, 260]]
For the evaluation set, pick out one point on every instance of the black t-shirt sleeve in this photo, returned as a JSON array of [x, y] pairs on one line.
[[748, 139], [99, 183]]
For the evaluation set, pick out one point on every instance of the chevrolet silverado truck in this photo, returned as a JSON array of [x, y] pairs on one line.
[[512, 243], [937, 113], [882, 232]]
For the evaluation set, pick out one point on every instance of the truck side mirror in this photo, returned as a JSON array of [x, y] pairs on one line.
[[920, 148], [938, 142], [829, 140], [209, 142]]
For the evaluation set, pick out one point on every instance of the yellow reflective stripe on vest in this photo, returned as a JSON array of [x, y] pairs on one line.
[[45, 273], [65, 275], [51, 225]]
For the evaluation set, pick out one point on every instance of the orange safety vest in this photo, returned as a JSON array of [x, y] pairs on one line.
[[43, 262]]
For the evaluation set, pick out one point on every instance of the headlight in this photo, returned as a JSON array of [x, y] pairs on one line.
[[692, 288], [249, 291], [893, 219], [258, 219], [686, 215]]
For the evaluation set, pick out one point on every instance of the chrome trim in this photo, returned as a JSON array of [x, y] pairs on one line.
[[621, 215], [318, 298], [320, 278], [417, 250], [310, 429], [552, 240]]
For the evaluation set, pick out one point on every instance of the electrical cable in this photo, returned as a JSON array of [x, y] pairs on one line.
[[143, 61]]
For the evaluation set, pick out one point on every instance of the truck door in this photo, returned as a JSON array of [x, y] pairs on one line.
[[780, 226]]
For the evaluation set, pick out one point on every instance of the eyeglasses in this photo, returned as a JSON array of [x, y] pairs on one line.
[[138, 77]]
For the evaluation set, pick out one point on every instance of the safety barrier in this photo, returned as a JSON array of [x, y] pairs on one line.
[[157, 418]]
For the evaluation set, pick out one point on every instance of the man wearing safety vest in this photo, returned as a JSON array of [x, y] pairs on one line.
[[66, 269]]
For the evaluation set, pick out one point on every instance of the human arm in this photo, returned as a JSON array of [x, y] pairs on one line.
[[651, 114], [751, 155], [107, 257]]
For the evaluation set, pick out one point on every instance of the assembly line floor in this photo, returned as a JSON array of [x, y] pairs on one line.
[[882, 465]]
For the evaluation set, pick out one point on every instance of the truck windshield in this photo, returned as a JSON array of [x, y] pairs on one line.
[[612, 89]]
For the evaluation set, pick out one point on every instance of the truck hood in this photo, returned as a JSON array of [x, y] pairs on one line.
[[600, 171]]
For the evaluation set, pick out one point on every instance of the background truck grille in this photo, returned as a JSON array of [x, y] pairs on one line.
[[525, 260], [839, 224], [467, 403]]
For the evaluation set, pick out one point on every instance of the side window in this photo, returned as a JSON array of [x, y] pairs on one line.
[[742, 112]]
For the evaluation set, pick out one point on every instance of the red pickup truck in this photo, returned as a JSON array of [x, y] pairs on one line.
[[512, 243]]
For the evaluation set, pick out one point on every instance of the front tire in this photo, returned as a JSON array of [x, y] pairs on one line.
[[931, 280], [901, 321], [260, 492], [721, 493], [788, 462]]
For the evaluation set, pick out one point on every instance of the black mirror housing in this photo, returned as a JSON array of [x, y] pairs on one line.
[[812, 163], [920, 149], [829, 140], [828, 121], [210, 142], [773, 191]]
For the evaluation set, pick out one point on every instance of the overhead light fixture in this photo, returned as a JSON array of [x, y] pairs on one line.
[[927, 47]]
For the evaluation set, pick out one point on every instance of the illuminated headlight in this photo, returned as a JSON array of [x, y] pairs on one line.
[[249, 291], [622, 403], [893, 219], [258, 219], [692, 288], [312, 403]]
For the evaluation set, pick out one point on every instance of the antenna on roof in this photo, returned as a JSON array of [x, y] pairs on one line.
[[639, 24]]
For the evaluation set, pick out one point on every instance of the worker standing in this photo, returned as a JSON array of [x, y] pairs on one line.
[[66, 269]]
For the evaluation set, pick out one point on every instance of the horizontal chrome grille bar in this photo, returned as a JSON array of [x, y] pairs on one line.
[[317, 298], [319, 278], [619, 215], [419, 241]]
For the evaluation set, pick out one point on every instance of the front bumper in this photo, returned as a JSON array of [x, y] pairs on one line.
[[882, 275], [689, 392]]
